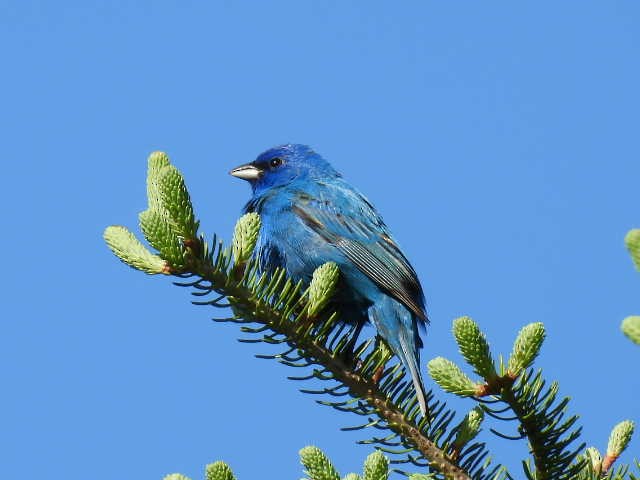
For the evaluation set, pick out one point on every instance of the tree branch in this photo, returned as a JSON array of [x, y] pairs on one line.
[[250, 306]]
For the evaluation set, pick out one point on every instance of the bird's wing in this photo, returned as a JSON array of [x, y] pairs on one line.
[[345, 219]]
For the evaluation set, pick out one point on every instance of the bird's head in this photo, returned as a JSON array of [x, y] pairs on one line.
[[283, 165]]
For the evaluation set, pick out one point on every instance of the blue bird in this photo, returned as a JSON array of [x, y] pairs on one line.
[[311, 215]]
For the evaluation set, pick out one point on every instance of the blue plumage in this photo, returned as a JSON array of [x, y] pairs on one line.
[[311, 215]]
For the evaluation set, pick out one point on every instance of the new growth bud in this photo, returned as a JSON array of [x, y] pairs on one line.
[[376, 467], [129, 249], [318, 466], [156, 162], [592, 455], [158, 232], [245, 237], [526, 348], [469, 428], [219, 471], [169, 220], [450, 378], [176, 201], [631, 328], [618, 442], [632, 240], [474, 347], [322, 286], [620, 438]]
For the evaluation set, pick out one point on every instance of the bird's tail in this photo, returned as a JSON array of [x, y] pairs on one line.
[[409, 357], [396, 326]]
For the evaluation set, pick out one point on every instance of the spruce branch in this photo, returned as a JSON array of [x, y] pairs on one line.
[[317, 467], [376, 467], [522, 391], [279, 312], [598, 468], [542, 422], [323, 344]]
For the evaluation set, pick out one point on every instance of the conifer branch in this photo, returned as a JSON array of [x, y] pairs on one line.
[[275, 310], [250, 307], [279, 312], [522, 391]]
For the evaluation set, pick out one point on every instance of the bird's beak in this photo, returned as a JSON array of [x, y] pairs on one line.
[[247, 171]]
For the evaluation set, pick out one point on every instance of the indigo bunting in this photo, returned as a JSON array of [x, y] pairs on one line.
[[311, 215]]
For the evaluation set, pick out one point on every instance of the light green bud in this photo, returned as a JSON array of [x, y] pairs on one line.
[[318, 466], [245, 237], [450, 378], [322, 287], [129, 249], [474, 347], [526, 348]]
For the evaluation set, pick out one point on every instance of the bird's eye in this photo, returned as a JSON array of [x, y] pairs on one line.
[[275, 162]]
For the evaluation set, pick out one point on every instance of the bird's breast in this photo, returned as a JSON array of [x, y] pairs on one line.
[[299, 250], [286, 241]]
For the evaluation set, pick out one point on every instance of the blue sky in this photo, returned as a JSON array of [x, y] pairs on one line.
[[499, 140]]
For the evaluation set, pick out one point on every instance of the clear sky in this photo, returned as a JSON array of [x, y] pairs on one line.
[[499, 140]]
